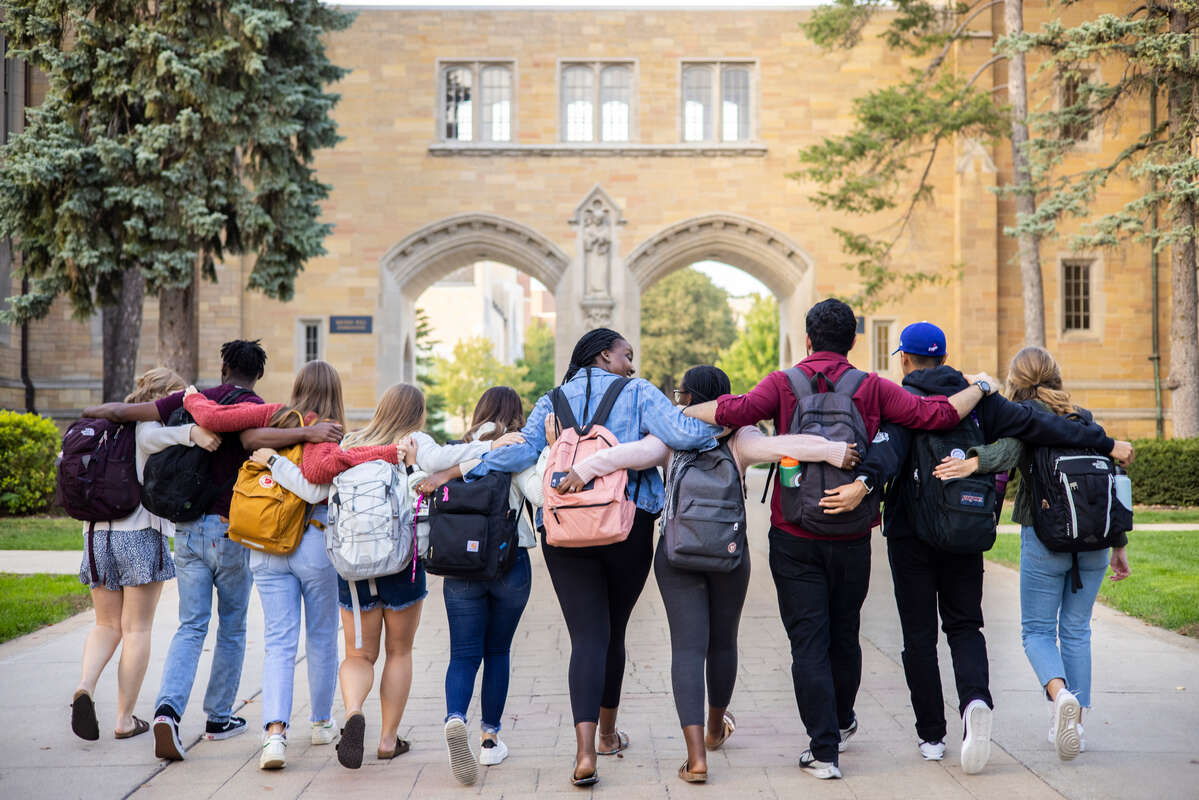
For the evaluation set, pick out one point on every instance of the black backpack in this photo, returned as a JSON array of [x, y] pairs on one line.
[[829, 412], [97, 476], [1075, 507], [177, 482], [957, 515], [704, 521], [472, 529]]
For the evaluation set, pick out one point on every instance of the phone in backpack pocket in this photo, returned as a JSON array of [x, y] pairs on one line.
[[557, 478]]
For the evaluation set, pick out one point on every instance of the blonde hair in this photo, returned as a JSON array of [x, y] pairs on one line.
[[400, 413], [1034, 374], [316, 390], [155, 383]]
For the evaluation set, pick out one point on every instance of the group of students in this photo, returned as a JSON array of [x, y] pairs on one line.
[[853, 434]]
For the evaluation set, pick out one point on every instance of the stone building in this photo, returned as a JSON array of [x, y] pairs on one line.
[[599, 150]]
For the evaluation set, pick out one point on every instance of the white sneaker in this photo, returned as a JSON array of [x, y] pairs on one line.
[[822, 770], [1082, 739], [324, 732], [846, 735], [463, 764], [1064, 731], [274, 752], [492, 752], [976, 743], [932, 751], [1082, 735]]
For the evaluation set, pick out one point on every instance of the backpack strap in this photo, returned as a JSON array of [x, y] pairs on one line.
[[562, 410], [801, 384], [769, 477], [600, 417], [357, 614], [850, 381], [233, 396]]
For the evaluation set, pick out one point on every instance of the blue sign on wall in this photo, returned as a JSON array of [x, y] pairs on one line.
[[350, 324]]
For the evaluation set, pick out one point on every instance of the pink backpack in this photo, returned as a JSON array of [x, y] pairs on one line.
[[599, 513]]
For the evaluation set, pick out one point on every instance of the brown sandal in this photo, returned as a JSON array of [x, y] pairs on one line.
[[140, 726], [692, 777], [729, 724], [402, 746]]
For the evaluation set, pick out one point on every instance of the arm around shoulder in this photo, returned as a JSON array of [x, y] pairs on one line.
[[997, 456]]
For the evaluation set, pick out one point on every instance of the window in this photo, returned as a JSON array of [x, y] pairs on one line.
[[309, 342], [1072, 93], [880, 342], [717, 101], [477, 102], [1076, 295], [605, 87]]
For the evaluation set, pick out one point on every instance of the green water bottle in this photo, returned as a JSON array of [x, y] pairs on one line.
[[790, 472]]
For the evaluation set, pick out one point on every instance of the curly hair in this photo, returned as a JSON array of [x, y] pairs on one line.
[[244, 358], [832, 326]]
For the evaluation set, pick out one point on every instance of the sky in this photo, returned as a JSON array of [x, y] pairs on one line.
[[731, 279]]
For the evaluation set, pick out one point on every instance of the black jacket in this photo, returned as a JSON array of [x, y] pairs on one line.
[[886, 462]]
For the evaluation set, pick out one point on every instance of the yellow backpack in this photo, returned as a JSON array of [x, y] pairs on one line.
[[263, 515]]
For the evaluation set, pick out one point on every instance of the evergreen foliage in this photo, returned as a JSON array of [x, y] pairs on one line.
[[427, 379], [685, 321], [755, 353]]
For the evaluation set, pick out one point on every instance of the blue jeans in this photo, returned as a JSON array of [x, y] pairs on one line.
[[204, 560], [1055, 623], [283, 581], [483, 616]]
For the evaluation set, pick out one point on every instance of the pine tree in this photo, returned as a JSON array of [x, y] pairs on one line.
[[427, 379]]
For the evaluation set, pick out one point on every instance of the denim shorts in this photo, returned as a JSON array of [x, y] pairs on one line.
[[394, 592]]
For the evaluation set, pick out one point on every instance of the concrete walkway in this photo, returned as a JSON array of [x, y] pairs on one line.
[[1140, 736]]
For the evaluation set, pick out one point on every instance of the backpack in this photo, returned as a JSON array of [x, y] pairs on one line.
[[600, 513], [97, 476], [830, 413], [957, 515], [177, 482], [263, 515], [1075, 505], [472, 529], [704, 521]]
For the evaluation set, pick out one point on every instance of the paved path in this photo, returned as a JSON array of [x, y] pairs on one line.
[[1140, 736]]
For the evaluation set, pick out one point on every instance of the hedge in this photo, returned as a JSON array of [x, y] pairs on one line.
[[1165, 472], [29, 444]]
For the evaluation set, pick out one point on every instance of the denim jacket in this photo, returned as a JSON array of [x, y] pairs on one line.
[[641, 409]]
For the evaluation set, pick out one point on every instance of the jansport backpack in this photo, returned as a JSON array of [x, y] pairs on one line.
[[600, 513], [263, 515], [177, 482], [704, 522], [957, 515], [831, 413], [1075, 507], [97, 476], [472, 528]]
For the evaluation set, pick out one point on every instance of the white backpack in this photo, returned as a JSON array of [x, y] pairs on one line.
[[370, 532]]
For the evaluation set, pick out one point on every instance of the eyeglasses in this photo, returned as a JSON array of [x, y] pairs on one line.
[[679, 392]]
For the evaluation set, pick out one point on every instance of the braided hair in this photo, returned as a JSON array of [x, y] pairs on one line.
[[706, 383], [590, 345]]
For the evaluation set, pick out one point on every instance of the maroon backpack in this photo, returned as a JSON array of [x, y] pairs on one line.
[[97, 476]]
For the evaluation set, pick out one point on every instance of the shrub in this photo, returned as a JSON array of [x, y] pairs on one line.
[[1165, 472], [29, 444]]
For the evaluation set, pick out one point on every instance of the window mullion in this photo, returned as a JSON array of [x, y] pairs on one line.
[[717, 111], [597, 116]]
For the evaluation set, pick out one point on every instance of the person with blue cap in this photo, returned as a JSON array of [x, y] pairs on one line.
[[937, 531]]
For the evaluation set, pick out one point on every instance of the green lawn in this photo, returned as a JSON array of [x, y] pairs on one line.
[[40, 533], [1141, 514], [29, 602], [1164, 586]]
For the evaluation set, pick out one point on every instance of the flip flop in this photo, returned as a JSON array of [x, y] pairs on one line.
[[83, 717], [586, 780], [730, 725], [624, 745], [692, 777], [349, 748], [140, 726], [402, 746]]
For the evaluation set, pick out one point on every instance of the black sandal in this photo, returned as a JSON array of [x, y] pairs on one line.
[[586, 780], [622, 738], [349, 749], [83, 717], [140, 726], [402, 746]]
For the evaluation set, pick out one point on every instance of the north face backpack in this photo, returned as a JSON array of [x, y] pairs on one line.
[[957, 515], [601, 512], [177, 482], [704, 521], [263, 515], [829, 412], [472, 528], [97, 476]]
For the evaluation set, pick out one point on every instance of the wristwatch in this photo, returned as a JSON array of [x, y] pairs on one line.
[[865, 482], [270, 462], [986, 387]]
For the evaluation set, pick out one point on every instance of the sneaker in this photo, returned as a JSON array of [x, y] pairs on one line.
[[846, 735], [976, 742], [234, 726], [1082, 739], [167, 743], [1066, 713], [274, 752], [818, 769], [323, 732], [932, 751], [462, 761], [492, 752]]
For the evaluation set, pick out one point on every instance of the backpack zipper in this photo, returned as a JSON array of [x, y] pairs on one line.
[[1070, 502], [1107, 518]]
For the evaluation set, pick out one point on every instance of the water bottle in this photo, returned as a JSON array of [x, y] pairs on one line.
[[1124, 489], [790, 473]]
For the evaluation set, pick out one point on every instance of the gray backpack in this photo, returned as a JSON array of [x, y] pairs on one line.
[[704, 523], [826, 409]]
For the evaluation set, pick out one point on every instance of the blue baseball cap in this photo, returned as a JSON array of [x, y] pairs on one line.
[[921, 339]]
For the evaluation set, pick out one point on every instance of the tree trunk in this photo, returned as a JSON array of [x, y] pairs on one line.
[[122, 325], [178, 334], [1026, 202]]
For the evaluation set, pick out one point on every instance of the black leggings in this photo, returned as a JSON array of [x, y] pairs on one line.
[[597, 588], [704, 612]]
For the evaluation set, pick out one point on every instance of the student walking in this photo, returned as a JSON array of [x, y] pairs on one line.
[[125, 562], [1057, 590], [598, 586]]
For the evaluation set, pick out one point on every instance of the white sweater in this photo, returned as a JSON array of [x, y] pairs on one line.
[[151, 438]]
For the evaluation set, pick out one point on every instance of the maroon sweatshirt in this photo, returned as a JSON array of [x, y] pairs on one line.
[[878, 400]]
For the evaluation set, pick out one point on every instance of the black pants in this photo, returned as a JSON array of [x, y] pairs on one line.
[[704, 612], [927, 579], [597, 588], [821, 587]]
